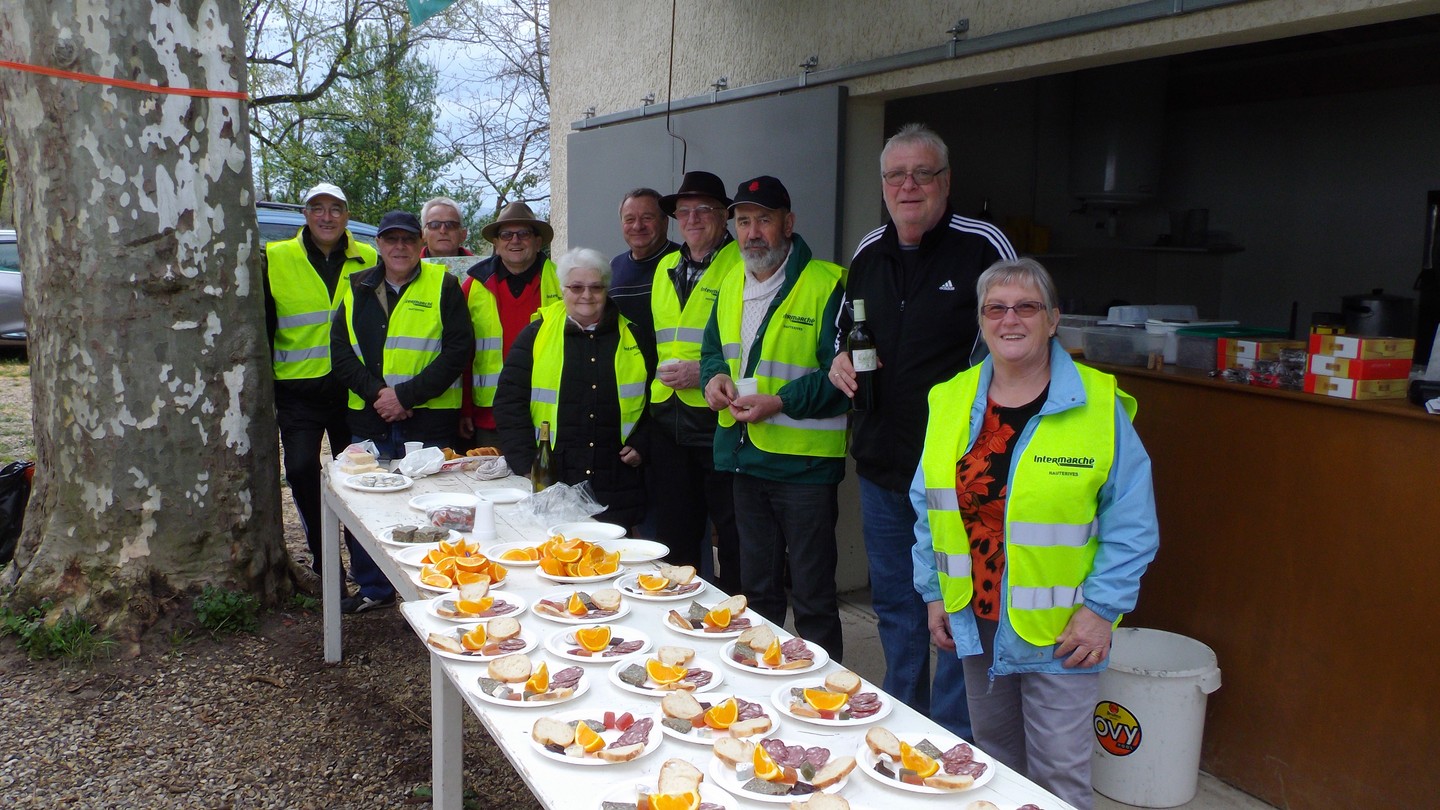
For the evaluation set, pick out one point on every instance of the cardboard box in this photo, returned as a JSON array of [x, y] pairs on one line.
[[1261, 348], [1345, 388], [1354, 347], [1325, 365]]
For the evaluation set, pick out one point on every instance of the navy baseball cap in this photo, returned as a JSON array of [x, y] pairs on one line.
[[399, 220], [764, 191]]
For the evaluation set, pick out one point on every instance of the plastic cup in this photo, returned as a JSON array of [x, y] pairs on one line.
[[484, 530], [747, 386], [413, 447]]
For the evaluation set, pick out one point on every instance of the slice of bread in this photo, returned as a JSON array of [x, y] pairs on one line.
[[549, 731], [757, 638], [679, 776], [678, 574], [606, 599], [554, 694], [446, 642], [682, 705], [475, 591], [821, 801], [672, 656], [749, 728], [945, 781], [843, 680], [624, 753], [735, 604], [834, 770], [503, 628], [546, 609], [880, 740], [732, 752], [510, 668]]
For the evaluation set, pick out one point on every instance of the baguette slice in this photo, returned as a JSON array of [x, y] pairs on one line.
[[672, 656], [553, 694], [735, 604], [549, 731], [843, 680], [475, 591], [510, 668], [732, 752], [749, 728], [679, 776], [834, 770], [821, 801], [549, 610], [606, 599], [502, 629], [682, 705], [678, 574], [757, 638], [945, 781], [447, 643], [625, 753], [882, 741]]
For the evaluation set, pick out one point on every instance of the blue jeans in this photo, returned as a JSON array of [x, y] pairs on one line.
[[889, 522], [774, 518]]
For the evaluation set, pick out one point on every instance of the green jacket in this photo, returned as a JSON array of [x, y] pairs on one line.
[[809, 397]]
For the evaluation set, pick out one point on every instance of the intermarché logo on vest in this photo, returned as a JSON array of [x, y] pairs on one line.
[[798, 321], [1071, 462]]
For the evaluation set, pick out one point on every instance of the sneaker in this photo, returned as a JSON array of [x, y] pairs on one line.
[[359, 603]]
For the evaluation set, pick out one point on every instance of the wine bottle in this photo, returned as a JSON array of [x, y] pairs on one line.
[[861, 344], [542, 469]]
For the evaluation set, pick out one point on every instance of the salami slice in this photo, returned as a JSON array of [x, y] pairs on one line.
[[624, 648], [962, 752], [498, 609], [864, 699], [858, 713], [797, 650], [972, 768], [597, 613], [689, 587], [739, 623], [639, 732], [817, 757], [747, 710], [699, 677], [566, 678], [512, 644]]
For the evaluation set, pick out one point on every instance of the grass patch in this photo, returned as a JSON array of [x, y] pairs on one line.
[[13, 366], [304, 601], [221, 612], [71, 638]]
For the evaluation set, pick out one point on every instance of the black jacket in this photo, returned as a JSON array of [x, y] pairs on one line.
[[587, 446], [925, 327], [457, 342]]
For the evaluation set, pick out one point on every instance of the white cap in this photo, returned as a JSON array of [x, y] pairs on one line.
[[329, 189]]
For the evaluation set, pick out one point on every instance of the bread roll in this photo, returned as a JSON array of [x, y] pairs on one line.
[[882, 741], [446, 642], [757, 638], [735, 604], [749, 728], [732, 752], [678, 574], [843, 680], [682, 705], [549, 731], [672, 656], [606, 599]]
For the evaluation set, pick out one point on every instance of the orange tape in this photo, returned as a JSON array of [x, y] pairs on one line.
[[125, 83]]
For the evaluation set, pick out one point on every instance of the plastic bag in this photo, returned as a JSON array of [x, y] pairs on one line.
[[14, 495], [560, 503], [361, 457], [423, 462]]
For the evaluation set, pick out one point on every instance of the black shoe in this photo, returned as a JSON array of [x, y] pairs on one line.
[[360, 603]]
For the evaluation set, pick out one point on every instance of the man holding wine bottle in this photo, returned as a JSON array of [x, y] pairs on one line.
[[924, 264]]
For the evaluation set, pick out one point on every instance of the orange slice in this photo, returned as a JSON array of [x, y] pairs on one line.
[[722, 714], [652, 582], [437, 581], [584, 568], [476, 563], [447, 548], [594, 638], [475, 639], [765, 766], [586, 737], [663, 674], [446, 566], [540, 681], [921, 764], [463, 577], [825, 700], [497, 572], [772, 657], [521, 554], [575, 607], [688, 800], [552, 566], [474, 607], [568, 554], [718, 619]]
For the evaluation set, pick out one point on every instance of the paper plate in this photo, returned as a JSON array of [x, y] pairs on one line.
[[384, 538], [431, 606], [626, 793], [636, 551], [591, 530], [708, 736], [531, 639], [563, 596], [650, 690], [503, 494], [610, 735], [561, 642], [821, 659], [724, 777], [355, 482], [630, 586], [619, 569], [580, 688], [430, 500], [865, 760], [780, 699]]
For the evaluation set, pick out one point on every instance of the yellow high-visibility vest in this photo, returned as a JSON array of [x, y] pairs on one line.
[[303, 307], [679, 332], [414, 337], [548, 365], [489, 344]]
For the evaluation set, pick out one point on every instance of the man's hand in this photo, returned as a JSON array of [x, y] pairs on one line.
[[720, 392], [755, 407], [842, 374], [630, 456], [680, 375], [939, 623], [467, 427], [389, 407]]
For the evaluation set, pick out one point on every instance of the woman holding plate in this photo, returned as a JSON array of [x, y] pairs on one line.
[[1036, 521]]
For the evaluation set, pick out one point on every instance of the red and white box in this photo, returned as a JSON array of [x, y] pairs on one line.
[[1325, 365], [1355, 347], [1346, 388]]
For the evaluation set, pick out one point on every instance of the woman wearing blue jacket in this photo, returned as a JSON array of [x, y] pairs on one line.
[[1036, 519]]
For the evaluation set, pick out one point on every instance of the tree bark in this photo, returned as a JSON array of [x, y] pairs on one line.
[[154, 430]]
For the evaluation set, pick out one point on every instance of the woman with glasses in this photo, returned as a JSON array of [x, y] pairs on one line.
[[1036, 521], [579, 368]]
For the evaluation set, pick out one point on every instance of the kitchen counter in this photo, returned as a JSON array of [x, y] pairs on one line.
[[1300, 538]]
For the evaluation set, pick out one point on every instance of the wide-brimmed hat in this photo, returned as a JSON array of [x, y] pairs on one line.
[[696, 184], [517, 213], [764, 191]]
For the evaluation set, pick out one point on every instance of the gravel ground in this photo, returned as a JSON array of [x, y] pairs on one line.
[[250, 721]]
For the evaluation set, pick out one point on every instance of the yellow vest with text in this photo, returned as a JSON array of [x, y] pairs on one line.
[[549, 288], [489, 344], [303, 307], [787, 352], [413, 339], [679, 332], [548, 366], [1051, 504]]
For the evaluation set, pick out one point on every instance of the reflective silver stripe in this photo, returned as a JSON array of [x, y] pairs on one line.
[[296, 355], [955, 565], [393, 380], [830, 423], [942, 499], [303, 319], [1051, 534], [625, 429], [416, 344], [690, 334], [782, 371], [487, 344], [1060, 596], [731, 351], [489, 380], [632, 390], [544, 395], [665, 335], [455, 386], [355, 347]]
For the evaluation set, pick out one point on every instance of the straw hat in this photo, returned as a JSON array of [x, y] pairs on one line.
[[517, 213]]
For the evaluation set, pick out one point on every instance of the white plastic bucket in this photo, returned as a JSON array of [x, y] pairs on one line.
[[1151, 717]]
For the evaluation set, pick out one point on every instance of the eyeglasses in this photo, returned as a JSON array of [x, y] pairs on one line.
[[922, 177], [443, 225], [506, 236], [319, 210], [1025, 309], [578, 290], [697, 211]]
